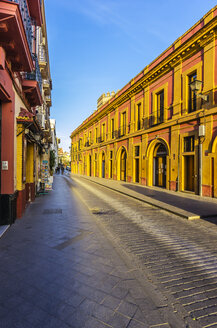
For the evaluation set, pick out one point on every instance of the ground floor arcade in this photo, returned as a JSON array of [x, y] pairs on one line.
[[176, 158]]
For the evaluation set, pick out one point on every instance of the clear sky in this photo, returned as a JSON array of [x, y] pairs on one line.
[[96, 46]]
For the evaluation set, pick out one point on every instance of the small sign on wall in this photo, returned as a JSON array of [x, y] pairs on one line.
[[4, 165]]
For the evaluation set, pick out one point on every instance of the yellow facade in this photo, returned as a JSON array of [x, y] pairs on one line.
[[157, 131]]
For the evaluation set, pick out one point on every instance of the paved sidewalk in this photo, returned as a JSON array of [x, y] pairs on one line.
[[183, 204], [58, 270]]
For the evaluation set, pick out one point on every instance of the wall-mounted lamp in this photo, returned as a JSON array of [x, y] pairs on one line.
[[196, 86]]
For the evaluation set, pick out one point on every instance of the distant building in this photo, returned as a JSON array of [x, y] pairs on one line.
[[104, 98], [161, 128], [54, 142], [64, 157]]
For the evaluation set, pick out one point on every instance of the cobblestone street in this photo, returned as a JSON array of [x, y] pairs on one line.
[[60, 270], [176, 255]]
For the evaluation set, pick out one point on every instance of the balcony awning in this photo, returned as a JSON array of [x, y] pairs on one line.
[[13, 37], [35, 11], [32, 92], [28, 120]]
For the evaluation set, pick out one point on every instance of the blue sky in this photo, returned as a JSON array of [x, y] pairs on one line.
[[96, 46]]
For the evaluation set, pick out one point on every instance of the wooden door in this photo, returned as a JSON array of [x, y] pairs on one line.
[[137, 170], [123, 165], [189, 173]]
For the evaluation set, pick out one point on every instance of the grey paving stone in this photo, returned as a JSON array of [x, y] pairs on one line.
[[154, 318], [94, 323], [37, 316], [3, 311], [75, 299], [103, 313], [64, 311], [119, 292], [111, 302], [127, 309], [95, 295], [14, 321], [137, 324], [88, 306], [119, 321], [77, 319], [52, 322], [140, 316]]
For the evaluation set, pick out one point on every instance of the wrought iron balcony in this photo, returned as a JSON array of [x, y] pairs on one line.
[[122, 131], [26, 20], [156, 117], [32, 85], [36, 74]]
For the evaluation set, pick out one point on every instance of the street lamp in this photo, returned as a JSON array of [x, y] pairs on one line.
[[195, 87]]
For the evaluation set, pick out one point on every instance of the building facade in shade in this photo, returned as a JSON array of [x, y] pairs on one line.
[[24, 93], [54, 144], [161, 128]]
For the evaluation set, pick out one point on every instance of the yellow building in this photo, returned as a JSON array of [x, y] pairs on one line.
[[161, 128]]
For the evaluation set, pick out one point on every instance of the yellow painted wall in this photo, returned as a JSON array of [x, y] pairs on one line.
[[20, 185]]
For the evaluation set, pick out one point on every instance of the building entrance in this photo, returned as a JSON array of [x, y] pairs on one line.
[[160, 166], [123, 165], [189, 173], [103, 165], [137, 170]]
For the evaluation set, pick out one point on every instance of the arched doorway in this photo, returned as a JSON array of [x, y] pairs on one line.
[[123, 165], [103, 165], [159, 165]]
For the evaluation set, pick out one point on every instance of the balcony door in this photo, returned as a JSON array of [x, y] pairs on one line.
[[160, 168], [103, 165], [123, 165]]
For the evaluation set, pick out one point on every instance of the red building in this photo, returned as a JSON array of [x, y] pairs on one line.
[[20, 92]]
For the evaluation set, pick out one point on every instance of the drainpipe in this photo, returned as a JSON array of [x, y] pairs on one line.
[[178, 178], [200, 162], [201, 135]]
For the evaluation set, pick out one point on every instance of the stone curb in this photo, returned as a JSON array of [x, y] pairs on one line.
[[152, 202]]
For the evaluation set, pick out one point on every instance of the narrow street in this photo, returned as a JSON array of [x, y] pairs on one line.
[[85, 256]]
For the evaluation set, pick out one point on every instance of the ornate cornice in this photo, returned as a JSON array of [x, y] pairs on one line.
[[184, 51]]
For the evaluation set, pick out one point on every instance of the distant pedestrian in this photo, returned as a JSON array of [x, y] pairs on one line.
[[62, 169]]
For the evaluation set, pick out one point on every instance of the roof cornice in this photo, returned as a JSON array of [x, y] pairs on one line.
[[184, 51]]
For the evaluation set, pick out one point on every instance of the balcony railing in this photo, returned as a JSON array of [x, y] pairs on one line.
[[36, 74], [156, 117], [122, 131], [26, 20]]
